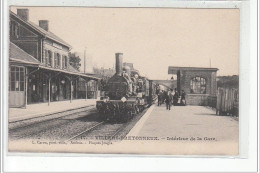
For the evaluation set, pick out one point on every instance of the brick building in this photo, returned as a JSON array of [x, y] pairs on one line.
[[197, 83], [39, 69]]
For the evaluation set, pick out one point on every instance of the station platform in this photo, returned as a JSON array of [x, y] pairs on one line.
[[41, 109], [191, 130]]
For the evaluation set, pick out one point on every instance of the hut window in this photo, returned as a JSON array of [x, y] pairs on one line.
[[198, 85]]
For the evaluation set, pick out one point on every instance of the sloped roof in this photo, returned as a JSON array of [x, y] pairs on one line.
[[77, 73], [50, 35], [47, 34], [94, 75], [72, 69], [19, 55]]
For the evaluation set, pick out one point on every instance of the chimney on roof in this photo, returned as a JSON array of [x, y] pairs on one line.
[[23, 14], [44, 24]]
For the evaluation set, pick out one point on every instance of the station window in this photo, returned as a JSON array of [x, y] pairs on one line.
[[46, 59], [64, 61], [14, 29], [17, 75], [55, 59], [198, 85], [58, 60], [50, 58]]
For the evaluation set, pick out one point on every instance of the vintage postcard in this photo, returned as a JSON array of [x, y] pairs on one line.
[[160, 81]]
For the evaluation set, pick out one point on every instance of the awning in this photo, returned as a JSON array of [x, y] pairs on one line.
[[68, 72]]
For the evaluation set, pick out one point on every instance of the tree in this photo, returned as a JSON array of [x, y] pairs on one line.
[[228, 81], [104, 74], [74, 60]]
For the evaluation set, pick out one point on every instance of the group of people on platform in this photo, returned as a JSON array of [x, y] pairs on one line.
[[171, 97]]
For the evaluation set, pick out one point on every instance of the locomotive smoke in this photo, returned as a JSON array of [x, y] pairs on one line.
[[119, 63]]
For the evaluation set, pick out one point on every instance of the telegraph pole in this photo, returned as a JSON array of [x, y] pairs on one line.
[[85, 60]]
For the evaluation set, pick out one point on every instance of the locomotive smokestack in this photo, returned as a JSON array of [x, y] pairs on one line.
[[119, 63]]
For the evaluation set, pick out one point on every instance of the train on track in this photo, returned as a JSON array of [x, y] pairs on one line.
[[127, 93]]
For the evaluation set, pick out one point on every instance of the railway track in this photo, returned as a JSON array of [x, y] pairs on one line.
[[43, 119], [102, 129], [75, 127], [86, 131], [26, 129]]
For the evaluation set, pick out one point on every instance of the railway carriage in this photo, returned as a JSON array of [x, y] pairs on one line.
[[127, 93]]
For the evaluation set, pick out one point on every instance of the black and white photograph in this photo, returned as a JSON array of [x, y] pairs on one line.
[[156, 81]]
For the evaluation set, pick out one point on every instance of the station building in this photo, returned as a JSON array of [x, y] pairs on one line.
[[39, 68], [199, 84]]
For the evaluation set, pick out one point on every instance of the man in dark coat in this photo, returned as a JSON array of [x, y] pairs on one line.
[[160, 95], [168, 100], [183, 100], [165, 95], [175, 97]]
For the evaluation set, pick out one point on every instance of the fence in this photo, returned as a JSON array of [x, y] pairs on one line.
[[227, 101]]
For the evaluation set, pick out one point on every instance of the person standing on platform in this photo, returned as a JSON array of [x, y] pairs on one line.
[[183, 100], [172, 93], [160, 98], [168, 100], [176, 97], [165, 93]]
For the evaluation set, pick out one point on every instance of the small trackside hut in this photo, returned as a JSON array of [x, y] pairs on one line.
[[199, 84], [39, 68]]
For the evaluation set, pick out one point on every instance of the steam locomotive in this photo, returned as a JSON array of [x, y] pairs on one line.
[[127, 93]]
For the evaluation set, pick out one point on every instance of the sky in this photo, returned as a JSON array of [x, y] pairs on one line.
[[151, 38]]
